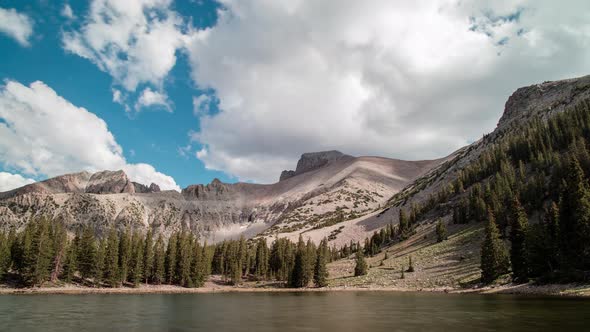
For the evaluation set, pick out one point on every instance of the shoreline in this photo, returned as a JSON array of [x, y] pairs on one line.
[[557, 290]]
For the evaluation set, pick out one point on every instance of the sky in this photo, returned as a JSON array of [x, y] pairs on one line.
[[182, 92]]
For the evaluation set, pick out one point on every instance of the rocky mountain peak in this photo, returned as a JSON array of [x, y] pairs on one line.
[[313, 160], [107, 182], [143, 189], [545, 99]]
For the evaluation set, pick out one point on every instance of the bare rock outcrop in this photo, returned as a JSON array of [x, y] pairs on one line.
[[312, 161], [109, 182]]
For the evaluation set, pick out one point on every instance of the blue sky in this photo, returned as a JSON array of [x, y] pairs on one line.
[[149, 136], [181, 92]]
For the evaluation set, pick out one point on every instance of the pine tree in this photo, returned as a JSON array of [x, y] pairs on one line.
[[39, 258], [71, 260], [184, 254], [494, 257], [262, 259], [310, 253], [441, 231], [402, 276], [171, 259], [4, 255], [403, 225], [111, 259], [574, 219], [99, 262], [360, 268], [86, 254], [410, 264], [298, 275], [137, 259], [125, 249], [60, 242], [320, 276], [197, 266], [159, 261], [148, 257], [518, 250]]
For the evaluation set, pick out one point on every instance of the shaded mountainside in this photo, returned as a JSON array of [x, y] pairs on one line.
[[324, 184], [526, 105]]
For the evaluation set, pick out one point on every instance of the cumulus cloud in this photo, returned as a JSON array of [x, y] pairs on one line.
[[151, 98], [41, 133], [411, 80], [67, 12], [16, 25], [134, 41], [9, 181]]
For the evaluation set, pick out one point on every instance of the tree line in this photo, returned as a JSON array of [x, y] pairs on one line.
[[44, 252]]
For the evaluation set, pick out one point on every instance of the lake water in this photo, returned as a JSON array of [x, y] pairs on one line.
[[338, 311]]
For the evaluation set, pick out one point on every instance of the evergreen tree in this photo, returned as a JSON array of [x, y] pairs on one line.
[[320, 276], [87, 254], [574, 219], [137, 259], [171, 259], [410, 264], [148, 257], [360, 268], [60, 242], [518, 235], [310, 253], [262, 259], [159, 275], [125, 249], [403, 225], [111, 260], [71, 260], [494, 257], [39, 258], [198, 265], [184, 254], [99, 262], [4, 255], [441, 231], [299, 273]]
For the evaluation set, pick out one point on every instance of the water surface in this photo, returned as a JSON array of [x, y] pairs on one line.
[[337, 311]]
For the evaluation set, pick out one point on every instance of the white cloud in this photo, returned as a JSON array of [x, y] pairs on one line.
[[10, 181], [67, 12], [410, 80], [16, 25], [41, 133], [201, 105], [151, 98], [117, 96], [135, 41]]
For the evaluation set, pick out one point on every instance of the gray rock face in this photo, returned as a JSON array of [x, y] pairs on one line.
[[108, 182], [143, 189], [286, 174], [312, 161], [543, 99], [154, 188]]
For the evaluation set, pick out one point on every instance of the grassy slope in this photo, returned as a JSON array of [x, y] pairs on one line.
[[453, 263]]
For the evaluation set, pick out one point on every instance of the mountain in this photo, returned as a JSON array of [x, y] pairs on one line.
[[525, 107], [324, 186], [329, 194]]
